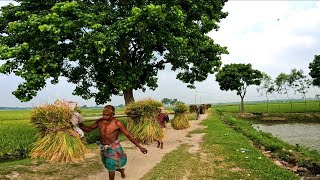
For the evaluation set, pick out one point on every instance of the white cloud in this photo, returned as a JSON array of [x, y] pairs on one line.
[[270, 33]]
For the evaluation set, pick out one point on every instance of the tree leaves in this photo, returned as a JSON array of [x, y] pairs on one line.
[[108, 47]]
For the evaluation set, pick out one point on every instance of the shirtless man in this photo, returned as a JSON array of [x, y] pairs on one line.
[[112, 154]]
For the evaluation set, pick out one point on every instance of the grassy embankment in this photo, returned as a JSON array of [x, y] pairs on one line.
[[225, 154]]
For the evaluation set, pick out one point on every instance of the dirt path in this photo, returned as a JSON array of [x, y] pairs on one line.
[[139, 164]]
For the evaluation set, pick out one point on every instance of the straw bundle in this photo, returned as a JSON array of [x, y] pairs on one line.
[[192, 108], [180, 120], [57, 140], [144, 128]]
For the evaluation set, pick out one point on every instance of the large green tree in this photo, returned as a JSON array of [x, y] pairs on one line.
[[314, 67], [237, 77], [108, 47]]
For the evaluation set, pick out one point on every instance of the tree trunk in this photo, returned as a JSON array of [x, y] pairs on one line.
[[305, 104], [242, 105], [128, 96], [267, 104]]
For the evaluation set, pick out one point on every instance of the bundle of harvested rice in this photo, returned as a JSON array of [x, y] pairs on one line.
[[144, 127], [57, 140], [180, 120], [192, 108]]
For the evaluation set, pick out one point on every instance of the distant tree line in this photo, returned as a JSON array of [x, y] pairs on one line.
[[237, 77]]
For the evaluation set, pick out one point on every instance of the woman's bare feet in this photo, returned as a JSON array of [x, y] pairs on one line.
[[123, 175]]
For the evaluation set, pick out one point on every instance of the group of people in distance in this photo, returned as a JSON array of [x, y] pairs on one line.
[[112, 154]]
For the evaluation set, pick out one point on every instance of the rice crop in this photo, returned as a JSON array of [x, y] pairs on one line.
[[180, 120], [57, 141], [16, 139], [144, 127]]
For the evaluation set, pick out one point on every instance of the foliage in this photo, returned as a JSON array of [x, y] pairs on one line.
[[144, 127], [108, 48], [237, 77], [282, 82], [266, 87], [168, 101], [299, 82], [314, 67], [180, 108]]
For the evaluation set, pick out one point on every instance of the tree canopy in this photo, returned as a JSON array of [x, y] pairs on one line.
[[237, 77], [314, 67], [108, 47]]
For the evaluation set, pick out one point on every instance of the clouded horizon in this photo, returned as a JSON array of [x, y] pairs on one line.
[[274, 36]]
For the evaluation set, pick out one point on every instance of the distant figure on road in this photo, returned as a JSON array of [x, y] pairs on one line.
[[197, 112]]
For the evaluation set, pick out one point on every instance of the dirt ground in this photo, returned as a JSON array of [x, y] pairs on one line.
[[139, 164]]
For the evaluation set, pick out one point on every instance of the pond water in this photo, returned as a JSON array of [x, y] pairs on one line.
[[304, 134]]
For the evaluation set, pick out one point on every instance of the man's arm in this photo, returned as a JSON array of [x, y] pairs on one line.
[[129, 136], [88, 128]]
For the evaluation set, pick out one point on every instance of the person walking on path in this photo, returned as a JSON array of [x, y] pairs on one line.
[[162, 119], [112, 154]]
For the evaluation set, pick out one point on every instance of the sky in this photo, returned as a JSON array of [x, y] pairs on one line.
[[274, 36]]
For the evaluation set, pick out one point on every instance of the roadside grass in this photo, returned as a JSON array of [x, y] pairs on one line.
[[38, 169], [282, 107], [225, 154], [309, 159]]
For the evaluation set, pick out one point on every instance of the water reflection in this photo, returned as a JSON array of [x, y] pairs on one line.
[[304, 134]]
